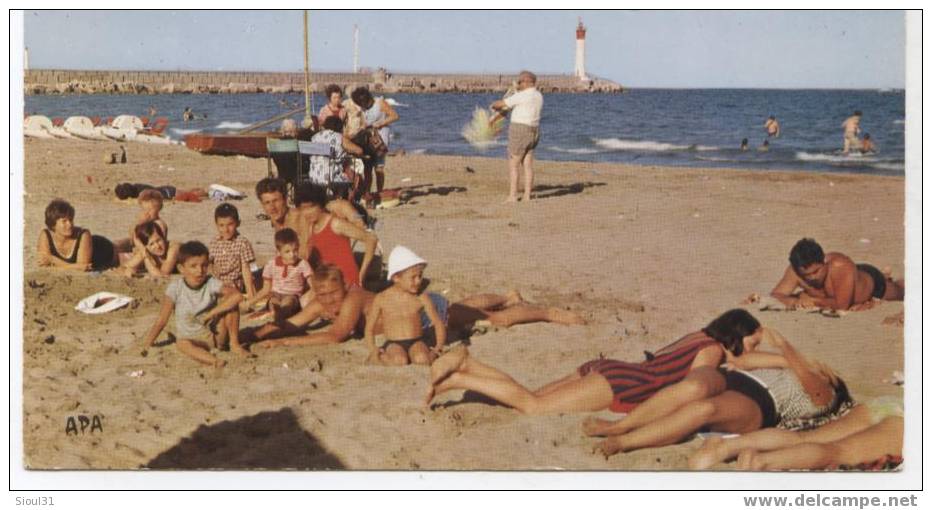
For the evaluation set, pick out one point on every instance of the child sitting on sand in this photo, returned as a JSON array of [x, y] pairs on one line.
[[284, 279], [230, 252], [406, 313], [206, 313]]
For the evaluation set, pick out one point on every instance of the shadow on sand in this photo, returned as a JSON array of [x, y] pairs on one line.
[[268, 440], [558, 190], [423, 190], [469, 397]]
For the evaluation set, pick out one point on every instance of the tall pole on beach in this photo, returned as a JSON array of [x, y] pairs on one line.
[[308, 122], [355, 49]]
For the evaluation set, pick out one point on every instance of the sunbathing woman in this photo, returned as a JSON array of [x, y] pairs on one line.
[[602, 384], [84, 251], [782, 389], [869, 432], [158, 256]]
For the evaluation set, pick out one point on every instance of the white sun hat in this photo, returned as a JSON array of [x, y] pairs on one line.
[[102, 302], [402, 258]]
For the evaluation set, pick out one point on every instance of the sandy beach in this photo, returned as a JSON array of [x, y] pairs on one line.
[[645, 254]]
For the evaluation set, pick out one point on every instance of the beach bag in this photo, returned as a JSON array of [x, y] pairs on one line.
[[371, 142]]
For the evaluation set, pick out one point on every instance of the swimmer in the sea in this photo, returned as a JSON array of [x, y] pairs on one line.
[[867, 145], [772, 127]]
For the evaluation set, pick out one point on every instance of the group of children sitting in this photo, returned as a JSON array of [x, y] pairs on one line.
[[216, 284]]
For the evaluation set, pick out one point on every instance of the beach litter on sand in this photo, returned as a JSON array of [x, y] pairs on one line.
[[480, 132], [102, 302]]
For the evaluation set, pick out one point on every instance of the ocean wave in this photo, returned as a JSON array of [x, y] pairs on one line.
[[578, 150], [647, 145], [853, 157], [417, 151], [182, 132], [718, 159], [231, 125], [831, 158], [899, 121], [889, 166]]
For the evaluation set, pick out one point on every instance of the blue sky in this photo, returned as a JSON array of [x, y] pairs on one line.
[[791, 49]]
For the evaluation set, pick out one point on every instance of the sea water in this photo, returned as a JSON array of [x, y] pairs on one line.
[[684, 127]]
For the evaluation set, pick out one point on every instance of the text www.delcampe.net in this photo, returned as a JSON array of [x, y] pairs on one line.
[[821, 500]]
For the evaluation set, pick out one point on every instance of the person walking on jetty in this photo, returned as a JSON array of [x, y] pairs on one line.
[[523, 133]]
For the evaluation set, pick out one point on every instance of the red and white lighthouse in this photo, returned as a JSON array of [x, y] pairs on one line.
[[580, 69]]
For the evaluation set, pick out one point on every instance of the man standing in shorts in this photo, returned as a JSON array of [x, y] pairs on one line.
[[523, 133]]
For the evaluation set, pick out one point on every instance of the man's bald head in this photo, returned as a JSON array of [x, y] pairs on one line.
[[530, 77]]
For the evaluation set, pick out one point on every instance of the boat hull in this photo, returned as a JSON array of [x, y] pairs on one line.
[[253, 145]]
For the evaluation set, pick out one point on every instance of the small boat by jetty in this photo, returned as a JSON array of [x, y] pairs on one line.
[[252, 145], [82, 127], [122, 128], [37, 126], [247, 142]]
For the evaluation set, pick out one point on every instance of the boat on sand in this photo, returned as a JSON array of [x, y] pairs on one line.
[[37, 126]]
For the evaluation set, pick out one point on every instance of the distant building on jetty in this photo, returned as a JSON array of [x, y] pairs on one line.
[[64, 81]]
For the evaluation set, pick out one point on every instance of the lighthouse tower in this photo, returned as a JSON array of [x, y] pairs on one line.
[[580, 69]]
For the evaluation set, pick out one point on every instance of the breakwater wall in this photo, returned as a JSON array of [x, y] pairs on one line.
[[64, 81]]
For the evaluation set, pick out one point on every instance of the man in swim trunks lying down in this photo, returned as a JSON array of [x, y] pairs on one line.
[[346, 310], [832, 280]]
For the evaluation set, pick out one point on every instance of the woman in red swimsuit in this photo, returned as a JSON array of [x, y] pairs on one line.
[[329, 239], [680, 372]]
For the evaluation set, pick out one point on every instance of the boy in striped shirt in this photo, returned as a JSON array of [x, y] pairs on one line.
[[285, 278]]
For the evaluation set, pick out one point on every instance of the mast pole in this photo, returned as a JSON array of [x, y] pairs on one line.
[[308, 122]]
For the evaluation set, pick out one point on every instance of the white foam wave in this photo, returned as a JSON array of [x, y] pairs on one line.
[[831, 158], [394, 103], [647, 145], [717, 159], [231, 125], [899, 121], [418, 151], [853, 157], [888, 166], [183, 132], [637, 145], [579, 150]]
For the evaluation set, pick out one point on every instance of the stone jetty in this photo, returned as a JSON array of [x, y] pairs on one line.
[[63, 81]]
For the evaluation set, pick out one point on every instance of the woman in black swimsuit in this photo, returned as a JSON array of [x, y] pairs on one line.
[[62, 245], [761, 390]]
